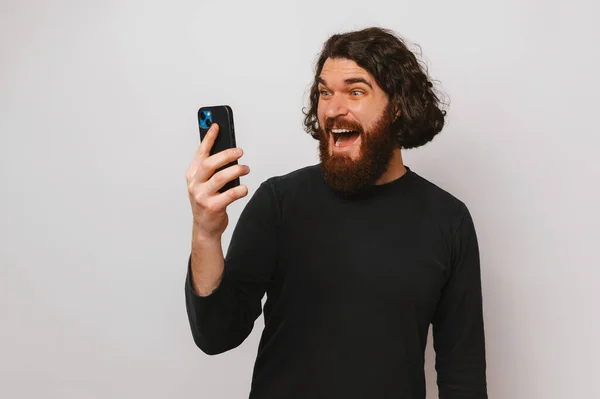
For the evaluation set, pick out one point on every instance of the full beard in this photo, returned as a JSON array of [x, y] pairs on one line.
[[351, 176]]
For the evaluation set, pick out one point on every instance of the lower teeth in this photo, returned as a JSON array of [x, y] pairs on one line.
[[338, 142]]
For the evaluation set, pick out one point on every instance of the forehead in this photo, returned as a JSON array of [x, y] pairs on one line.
[[337, 70]]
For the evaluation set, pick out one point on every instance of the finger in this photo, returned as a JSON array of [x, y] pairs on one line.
[[208, 142], [209, 165], [220, 159], [222, 177], [203, 152], [223, 200]]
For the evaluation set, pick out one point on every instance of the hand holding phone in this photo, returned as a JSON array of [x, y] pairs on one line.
[[222, 115], [213, 176]]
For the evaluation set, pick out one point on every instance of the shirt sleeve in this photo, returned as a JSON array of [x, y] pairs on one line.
[[224, 319], [458, 326]]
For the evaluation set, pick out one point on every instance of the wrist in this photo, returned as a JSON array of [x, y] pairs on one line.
[[201, 237]]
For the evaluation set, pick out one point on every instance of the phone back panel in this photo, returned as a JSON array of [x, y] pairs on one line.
[[223, 116]]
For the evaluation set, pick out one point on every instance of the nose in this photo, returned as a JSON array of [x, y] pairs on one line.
[[336, 106]]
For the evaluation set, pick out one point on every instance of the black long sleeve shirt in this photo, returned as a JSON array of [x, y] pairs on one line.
[[352, 286]]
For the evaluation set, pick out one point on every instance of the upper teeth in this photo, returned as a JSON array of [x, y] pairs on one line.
[[340, 131]]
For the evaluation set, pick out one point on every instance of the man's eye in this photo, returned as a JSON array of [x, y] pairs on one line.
[[356, 92], [324, 92]]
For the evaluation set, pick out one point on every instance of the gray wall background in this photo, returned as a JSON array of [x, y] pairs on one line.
[[98, 106]]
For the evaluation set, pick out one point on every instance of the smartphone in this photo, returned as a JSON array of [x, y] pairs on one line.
[[223, 116]]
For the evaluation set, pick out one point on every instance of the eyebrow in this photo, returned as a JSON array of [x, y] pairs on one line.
[[350, 81]]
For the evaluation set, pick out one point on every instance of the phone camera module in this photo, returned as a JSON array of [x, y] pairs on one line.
[[205, 119]]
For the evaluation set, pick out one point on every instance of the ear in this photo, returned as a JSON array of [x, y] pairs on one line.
[[397, 111]]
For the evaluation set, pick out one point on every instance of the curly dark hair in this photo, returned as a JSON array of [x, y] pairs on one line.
[[397, 71]]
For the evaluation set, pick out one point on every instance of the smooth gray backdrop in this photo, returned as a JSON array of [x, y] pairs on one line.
[[98, 104]]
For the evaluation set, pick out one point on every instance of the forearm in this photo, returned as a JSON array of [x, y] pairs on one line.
[[207, 263], [458, 325], [223, 296], [223, 316]]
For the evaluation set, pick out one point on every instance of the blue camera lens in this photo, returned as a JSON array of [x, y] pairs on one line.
[[205, 119]]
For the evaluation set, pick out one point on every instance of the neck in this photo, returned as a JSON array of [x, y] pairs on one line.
[[395, 169]]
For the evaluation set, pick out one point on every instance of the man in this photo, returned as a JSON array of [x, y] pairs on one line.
[[357, 255]]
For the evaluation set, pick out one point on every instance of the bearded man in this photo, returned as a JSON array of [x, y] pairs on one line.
[[357, 255]]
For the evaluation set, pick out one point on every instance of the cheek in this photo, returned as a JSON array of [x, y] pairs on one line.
[[360, 116], [370, 116], [320, 114]]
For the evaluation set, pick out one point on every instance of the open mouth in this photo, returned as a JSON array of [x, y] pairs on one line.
[[344, 137]]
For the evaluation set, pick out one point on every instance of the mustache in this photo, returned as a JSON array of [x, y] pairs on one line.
[[338, 123]]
